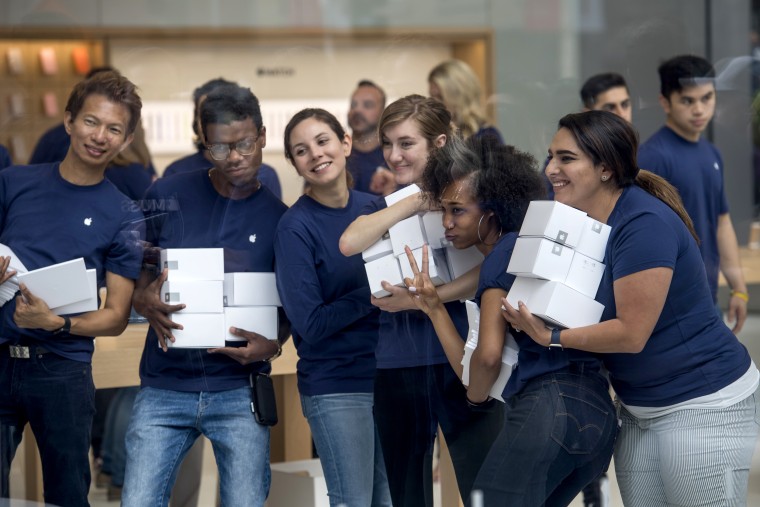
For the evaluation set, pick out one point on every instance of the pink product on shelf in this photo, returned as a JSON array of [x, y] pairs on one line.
[[50, 104], [48, 61]]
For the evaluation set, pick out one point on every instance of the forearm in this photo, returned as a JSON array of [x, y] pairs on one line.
[[317, 322], [728, 250], [452, 343], [483, 375], [103, 322], [367, 229], [461, 288]]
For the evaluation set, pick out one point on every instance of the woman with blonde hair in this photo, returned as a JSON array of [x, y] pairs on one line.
[[454, 83]]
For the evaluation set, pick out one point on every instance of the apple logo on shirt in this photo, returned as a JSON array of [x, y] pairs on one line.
[[716, 166], [252, 238], [88, 221]]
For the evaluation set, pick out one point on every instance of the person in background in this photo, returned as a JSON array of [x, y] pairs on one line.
[[327, 299], [186, 393], [51, 213], [415, 388], [455, 84], [201, 159], [366, 163], [5, 157], [686, 386], [607, 92], [129, 171], [485, 189], [679, 153]]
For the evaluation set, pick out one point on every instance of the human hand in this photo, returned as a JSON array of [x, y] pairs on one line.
[[423, 292], [33, 313], [382, 182], [147, 302], [737, 313], [522, 320], [5, 275], [398, 301], [257, 348]]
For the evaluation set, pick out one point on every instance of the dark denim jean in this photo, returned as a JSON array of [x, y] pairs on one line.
[[558, 436], [56, 396]]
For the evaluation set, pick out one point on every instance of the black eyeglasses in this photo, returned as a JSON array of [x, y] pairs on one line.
[[221, 151]]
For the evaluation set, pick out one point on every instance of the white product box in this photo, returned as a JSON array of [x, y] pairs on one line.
[[593, 241], [10, 287], [251, 289], [407, 232], [193, 263], [383, 269], [59, 284], [198, 296], [380, 248], [555, 302], [86, 305], [396, 196], [258, 319], [437, 269], [540, 258], [462, 261], [555, 221], [584, 275], [298, 483], [509, 357], [435, 233], [201, 330]]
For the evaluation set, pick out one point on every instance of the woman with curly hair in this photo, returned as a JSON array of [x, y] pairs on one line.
[[560, 423]]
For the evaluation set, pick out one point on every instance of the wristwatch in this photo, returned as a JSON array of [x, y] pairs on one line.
[[276, 354], [555, 343], [65, 328]]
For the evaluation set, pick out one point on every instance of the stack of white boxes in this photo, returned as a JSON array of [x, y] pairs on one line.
[[558, 263], [67, 287], [214, 300], [386, 259]]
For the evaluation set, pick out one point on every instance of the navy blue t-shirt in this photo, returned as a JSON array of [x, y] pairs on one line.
[[185, 211], [267, 175], [52, 146], [691, 352], [696, 170], [5, 157], [408, 338], [490, 132], [132, 180], [362, 165], [45, 220], [327, 298], [534, 360]]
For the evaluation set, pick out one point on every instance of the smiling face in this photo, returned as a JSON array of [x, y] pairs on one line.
[[462, 215], [237, 174], [406, 151], [690, 110], [617, 101], [98, 133], [317, 153], [575, 179]]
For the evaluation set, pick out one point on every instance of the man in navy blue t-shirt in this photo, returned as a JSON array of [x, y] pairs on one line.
[[692, 164], [366, 162], [51, 213], [186, 393]]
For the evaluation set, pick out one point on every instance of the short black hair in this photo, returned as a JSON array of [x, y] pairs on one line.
[[202, 90], [372, 84], [229, 103], [598, 84], [682, 72]]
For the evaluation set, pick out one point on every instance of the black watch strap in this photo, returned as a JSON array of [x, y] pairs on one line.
[[555, 342], [66, 326]]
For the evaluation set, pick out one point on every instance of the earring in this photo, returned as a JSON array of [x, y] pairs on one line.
[[604, 178]]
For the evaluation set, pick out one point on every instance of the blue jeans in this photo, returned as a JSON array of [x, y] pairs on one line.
[[343, 428], [114, 451], [558, 436], [164, 426], [56, 396]]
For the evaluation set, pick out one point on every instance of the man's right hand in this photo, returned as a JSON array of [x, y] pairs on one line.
[[6, 275], [147, 302]]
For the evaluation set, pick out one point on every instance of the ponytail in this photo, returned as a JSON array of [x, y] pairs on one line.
[[667, 193]]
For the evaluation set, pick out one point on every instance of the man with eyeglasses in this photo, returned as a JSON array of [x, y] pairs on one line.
[[186, 393], [202, 159]]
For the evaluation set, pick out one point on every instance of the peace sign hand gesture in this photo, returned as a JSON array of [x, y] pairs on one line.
[[421, 288]]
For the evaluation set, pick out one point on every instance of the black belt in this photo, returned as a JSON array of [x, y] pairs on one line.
[[24, 351]]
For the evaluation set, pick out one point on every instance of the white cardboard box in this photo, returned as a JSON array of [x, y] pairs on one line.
[[385, 268], [540, 258], [462, 261], [379, 248], [193, 263], [251, 289], [59, 284], [593, 241], [584, 274], [198, 296], [298, 484], [432, 224], [555, 302], [86, 305], [437, 268], [258, 319], [201, 330], [555, 221], [407, 232], [396, 196]]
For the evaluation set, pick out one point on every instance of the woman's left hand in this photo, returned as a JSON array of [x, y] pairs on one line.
[[522, 320], [421, 288]]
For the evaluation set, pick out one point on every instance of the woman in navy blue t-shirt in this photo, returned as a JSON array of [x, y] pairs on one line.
[[686, 386], [327, 300], [540, 457]]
